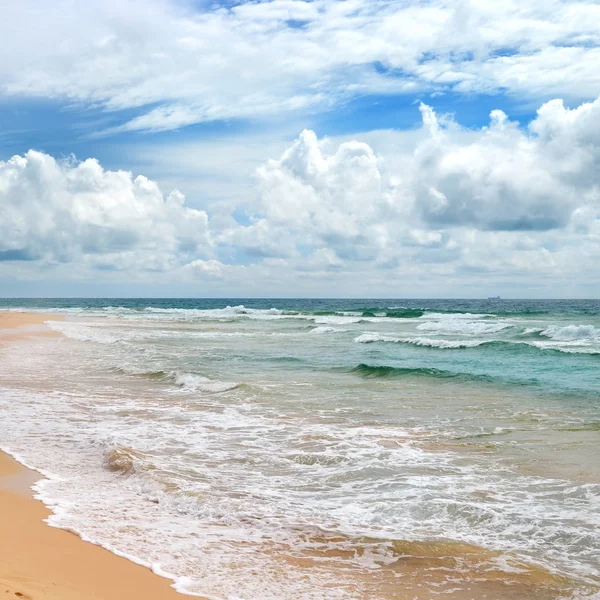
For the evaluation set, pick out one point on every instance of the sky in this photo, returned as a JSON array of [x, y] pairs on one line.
[[300, 148]]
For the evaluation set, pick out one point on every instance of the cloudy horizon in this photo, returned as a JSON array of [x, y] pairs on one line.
[[289, 148]]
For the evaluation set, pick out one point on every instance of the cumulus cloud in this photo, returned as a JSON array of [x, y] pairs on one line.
[[438, 202], [201, 268], [177, 64], [341, 200], [63, 211], [495, 203], [507, 179]]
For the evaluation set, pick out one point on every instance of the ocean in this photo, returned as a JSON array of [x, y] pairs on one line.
[[320, 449]]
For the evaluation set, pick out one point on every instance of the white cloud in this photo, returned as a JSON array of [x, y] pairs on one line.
[[498, 198], [205, 268], [506, 178], [497, 205], [341, 199], [68, 211], [180, 66]]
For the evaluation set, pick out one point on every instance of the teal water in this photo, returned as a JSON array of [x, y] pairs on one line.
[[550, 344], [341, 448]]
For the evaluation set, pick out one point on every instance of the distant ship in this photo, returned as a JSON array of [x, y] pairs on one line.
[[494, 298]]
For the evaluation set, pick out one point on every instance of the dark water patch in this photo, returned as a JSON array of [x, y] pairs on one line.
[[388, 372], [150, 375], [405, 314], [386, 312], [154, 375], [594, 426], [284, 359], [367, 371]]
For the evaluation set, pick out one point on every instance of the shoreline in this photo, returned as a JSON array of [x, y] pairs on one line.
[[38, 561]]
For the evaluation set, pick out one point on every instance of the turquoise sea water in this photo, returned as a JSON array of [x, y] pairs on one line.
[[321, 448]]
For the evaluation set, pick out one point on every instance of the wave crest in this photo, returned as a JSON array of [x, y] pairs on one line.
[[369, 338], [572, 333], [463, 327], [384, 371], [191, 382], [323, 329]]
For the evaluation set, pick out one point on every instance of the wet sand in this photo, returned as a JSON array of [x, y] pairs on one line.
[[41, 562], [15, 326]]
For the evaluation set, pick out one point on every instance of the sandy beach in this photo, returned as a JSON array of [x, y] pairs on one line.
[[42, 562]]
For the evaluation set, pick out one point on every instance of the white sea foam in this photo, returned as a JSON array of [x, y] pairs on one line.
[[368, 338], [570, 339], [197, 383], [463, 326], [530, 330], [571, 333], [439, 343], [229, 312], [88, 332], [322, 329], [567, 347], [456, 316], [336, 320]]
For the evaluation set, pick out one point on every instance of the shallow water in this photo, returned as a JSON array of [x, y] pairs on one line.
[[322, 449]]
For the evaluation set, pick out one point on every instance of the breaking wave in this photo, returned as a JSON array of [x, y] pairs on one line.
[[462, 326], [197, 383], [190, 382], [571, 333], [368, 338], [323, 329], [513, 345]]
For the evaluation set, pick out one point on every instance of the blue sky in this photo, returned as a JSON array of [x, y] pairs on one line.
[[332, 147]]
